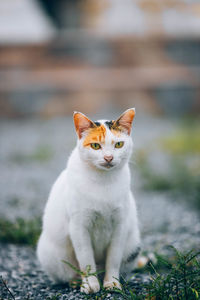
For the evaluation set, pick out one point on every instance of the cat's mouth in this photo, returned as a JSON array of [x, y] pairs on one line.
[[107, 165]]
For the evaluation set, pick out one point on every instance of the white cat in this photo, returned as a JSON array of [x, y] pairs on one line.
[[90, 218]]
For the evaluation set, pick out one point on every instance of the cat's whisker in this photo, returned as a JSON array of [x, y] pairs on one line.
[[133, 162], [89, 160]]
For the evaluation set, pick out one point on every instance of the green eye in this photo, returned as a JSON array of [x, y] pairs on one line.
[[119, 144], [95, 146]]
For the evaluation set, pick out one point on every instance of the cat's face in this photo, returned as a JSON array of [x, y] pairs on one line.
[[105, 145]]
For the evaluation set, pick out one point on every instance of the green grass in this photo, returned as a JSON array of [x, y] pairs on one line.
[[183, 141], [181, 281], [174, 278], [43, 153], [182, 151], [21, 231], [182, 180]]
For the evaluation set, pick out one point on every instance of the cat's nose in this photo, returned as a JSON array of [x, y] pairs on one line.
[[108, 158]]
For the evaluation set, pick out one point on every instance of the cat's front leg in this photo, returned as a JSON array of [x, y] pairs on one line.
[[114, 258], [90, 285], [84, 253]]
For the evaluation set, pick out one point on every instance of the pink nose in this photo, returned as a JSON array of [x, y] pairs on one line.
[[108, 158]]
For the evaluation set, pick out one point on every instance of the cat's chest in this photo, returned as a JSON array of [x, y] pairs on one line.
[[102, 196], [100, 222], [101, 205], [101, 228]]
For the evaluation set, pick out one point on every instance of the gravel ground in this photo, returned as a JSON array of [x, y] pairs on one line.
[[32, 154], [25, 280]]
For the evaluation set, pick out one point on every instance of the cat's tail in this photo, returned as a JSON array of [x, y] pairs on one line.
[[144, 260]]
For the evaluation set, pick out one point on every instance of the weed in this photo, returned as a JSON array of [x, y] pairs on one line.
[[77, 282], [181, 180], [20, 232], [177, 278], [42, 153], [54, 297], [184, 141], [182, 281], [5, 286]]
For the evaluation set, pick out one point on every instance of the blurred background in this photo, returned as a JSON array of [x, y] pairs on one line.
[[99, 56], [102, 57]]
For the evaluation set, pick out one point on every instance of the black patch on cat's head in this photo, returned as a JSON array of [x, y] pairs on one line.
[[97, 123], [109, 124]]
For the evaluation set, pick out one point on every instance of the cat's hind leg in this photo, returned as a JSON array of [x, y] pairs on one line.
[[52, 257], [130, 261], [131, 253]]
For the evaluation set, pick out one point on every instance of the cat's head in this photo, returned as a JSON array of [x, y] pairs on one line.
[[105, 145]]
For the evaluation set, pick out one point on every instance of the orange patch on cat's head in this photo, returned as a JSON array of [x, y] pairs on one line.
[[82, 123], [95, 135]]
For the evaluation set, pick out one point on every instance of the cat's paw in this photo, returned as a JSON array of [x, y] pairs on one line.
[[111, 284], [90, 285]]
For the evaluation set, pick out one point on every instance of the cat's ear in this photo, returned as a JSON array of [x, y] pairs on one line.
[[124, 122], [82, 123]]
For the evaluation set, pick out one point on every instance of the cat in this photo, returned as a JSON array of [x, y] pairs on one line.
[[90, 218]]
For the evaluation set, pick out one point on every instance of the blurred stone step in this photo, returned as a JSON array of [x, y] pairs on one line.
[[77, 51], [97, 79], [83, 72]]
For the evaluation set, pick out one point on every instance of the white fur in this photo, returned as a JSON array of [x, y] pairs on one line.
[[90, 217]]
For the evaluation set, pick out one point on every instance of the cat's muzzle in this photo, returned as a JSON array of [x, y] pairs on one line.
[[107, 165]]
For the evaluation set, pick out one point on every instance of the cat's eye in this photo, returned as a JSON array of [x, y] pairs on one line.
[[95, 146], [119, 144]]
